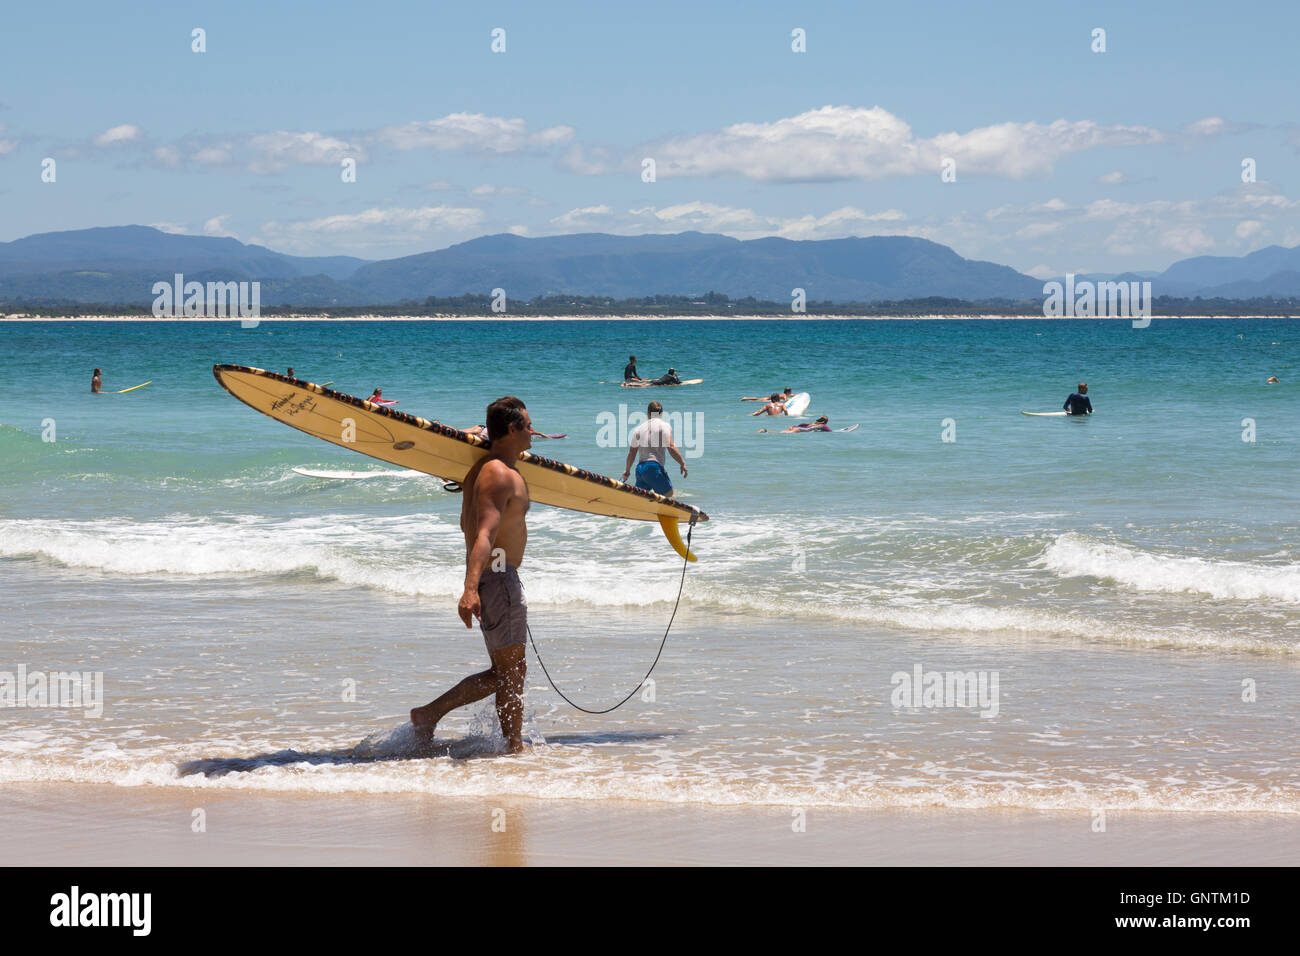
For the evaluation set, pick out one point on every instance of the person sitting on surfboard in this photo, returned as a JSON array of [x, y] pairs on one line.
[[652, 438], [492, 517], [96, 382], [1078, 403], [820, 425], [775, 406], [629, 372]]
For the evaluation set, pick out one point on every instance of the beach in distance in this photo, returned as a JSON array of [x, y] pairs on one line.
[[955, 635]]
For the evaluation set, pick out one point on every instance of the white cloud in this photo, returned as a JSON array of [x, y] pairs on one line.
[[284, 148], [168, 156], [216, 226], [1247, 228], [125, 133], [173, 228], [373, 229], [837, 143], [1042, 272], [216, 155], [733, 221], [488, 190], [471, 131], [1186, 241], [583, 217]]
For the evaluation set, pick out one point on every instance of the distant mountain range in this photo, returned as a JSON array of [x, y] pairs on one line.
[[119, 265]]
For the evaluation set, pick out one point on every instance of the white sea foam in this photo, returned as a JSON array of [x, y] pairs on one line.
[[1076, 555], [573, 771]]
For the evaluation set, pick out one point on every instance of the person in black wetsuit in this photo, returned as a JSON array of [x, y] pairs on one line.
[[629, 373], [1079, 403], [669, 379]]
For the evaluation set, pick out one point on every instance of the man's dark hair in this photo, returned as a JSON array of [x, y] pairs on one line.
[[631, 358], [503, 413], [774, 397], [654, 408]]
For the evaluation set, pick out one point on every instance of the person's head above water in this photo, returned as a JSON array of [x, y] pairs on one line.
[[822, 421], [632, 359], [1083, 388], [98, 372], [672, 371], [654, 408], [503, 414], [774, 397]]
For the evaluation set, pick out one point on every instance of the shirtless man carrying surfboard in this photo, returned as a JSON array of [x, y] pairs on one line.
[[492, 517]]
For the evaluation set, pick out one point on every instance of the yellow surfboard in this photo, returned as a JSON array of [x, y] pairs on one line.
[[442, 451], [134, 387]]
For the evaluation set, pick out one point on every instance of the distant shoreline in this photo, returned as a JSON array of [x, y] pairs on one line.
[[620, 318]]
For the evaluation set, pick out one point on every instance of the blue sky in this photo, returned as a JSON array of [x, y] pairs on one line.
[[1065, 159]]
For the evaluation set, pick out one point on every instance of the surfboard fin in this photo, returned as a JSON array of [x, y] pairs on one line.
[[669, 524]]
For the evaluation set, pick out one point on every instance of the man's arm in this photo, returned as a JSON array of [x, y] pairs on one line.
[[627, 465], [492, 494], [672, 450]]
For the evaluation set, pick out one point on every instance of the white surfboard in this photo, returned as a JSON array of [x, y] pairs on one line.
[[1046, 414], [356, 475], [799, 404]]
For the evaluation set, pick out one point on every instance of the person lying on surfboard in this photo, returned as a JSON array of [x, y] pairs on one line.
[[377, 398], [492, 517], [781, 396], [1078, 403], [652, 438], [775, 406], [822, 424]]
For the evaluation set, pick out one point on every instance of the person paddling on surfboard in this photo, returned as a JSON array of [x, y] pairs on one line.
[[775, 396], [96, 382], [377, 398], [1078, 403], [492, 517], [652, 438], [822, 424]]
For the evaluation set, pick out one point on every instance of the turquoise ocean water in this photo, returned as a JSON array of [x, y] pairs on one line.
[[1129, 579]]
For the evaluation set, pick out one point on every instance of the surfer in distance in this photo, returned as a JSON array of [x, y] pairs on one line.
[[775, 406], [377, 398], [822, 424], [1272, 380], [493, 519], [651, 440], [1079, 403], [629, 371], [96, 382], [290, 372]]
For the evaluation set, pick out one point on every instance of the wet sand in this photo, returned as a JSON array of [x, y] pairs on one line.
[[92, 825]]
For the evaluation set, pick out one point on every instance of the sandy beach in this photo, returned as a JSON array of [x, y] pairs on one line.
[[61, 825]]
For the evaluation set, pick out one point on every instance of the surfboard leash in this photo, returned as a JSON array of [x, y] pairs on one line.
[[680, 585]]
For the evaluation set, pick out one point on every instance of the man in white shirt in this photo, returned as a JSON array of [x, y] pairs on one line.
[[652, 438]]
